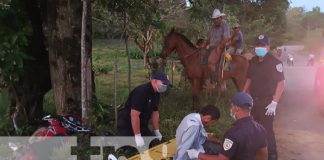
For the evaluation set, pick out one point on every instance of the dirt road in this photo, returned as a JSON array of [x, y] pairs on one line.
[[299, 127]]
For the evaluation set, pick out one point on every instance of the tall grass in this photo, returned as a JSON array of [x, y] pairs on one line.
[[175, 103]]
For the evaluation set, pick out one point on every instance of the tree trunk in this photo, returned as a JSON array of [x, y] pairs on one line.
[[86, 67], [27, 94], [63, 33], [127, 52], [115, 86]]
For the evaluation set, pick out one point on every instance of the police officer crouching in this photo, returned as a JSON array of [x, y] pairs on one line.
[[142, 105], [245, 140]]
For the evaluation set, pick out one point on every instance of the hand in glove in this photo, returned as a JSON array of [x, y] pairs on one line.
[[193, 154], [158, 134], [139, 140], [271, 109], [111, 157]]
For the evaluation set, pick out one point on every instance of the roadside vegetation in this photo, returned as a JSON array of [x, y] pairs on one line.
[[135, 31], [175, 103]]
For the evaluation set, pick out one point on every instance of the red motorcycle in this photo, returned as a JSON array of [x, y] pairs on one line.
[[40, 145]]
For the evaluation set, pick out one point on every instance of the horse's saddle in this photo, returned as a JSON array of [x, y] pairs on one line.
[[228, 56], [204, 55]]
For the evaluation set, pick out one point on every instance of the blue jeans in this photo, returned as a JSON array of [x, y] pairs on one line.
[[212, 148]]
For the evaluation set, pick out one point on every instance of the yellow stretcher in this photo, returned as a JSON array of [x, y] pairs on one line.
[[164, 151]]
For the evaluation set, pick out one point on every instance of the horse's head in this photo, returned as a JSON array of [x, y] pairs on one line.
[[169, 44]]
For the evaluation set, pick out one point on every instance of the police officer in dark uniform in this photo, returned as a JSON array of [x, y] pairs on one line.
[[265, 82], [141, 106], [245, 140]]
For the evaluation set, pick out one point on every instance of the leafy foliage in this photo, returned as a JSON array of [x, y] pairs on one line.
[[295, 30], [14, 33], [305, 27], [313, 19], [135, 53], [101, 111], [261, 16]]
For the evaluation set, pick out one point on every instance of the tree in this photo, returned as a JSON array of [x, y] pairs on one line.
[[144, 19], [86, 69], [295, 29], [258, 16], [24, 66], [44, 52], [62, 27], [313, 19]]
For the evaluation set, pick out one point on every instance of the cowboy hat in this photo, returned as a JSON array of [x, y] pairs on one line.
[[217, 14]]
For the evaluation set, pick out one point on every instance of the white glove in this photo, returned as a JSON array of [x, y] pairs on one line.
[[271, 109], [192, 153], [158, 134], [111, 157], [139, 140]]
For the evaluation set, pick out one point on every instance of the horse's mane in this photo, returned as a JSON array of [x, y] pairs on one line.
[[185, 39]]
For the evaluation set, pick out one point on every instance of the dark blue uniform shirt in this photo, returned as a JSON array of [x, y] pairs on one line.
[[244, 139], [265, 76], [143, 99]]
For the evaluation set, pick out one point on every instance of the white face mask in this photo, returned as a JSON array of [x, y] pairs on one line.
[[233, 116], [161, 87]]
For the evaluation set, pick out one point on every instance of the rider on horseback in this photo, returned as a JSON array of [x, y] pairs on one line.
[[218, 36], [236, 41]]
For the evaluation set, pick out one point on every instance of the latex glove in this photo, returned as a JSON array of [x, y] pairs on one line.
[[271, 109], [158, 134], [139, 140], [192, 153], [111, 157]]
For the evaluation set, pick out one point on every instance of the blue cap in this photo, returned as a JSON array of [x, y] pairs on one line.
[[262, 40], [161, 76], [243, 100]]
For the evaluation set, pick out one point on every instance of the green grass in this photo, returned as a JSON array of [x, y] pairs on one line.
[[175, 103]]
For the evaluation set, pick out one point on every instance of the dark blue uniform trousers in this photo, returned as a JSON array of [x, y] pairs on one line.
[[258, 113]]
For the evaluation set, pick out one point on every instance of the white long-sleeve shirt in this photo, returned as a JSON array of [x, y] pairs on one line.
[[190, 134]]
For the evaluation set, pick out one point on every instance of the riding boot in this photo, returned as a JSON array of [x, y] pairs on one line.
[[213, 77]]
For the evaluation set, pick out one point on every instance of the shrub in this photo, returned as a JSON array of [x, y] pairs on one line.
[[135, 53]]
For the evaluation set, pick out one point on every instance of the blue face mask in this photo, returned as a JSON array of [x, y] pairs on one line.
[[261, 51]]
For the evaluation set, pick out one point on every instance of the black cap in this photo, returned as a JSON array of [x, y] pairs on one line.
[[262, 40], [243, 100], [161, 76]]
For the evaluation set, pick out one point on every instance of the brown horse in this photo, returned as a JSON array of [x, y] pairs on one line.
[[196, 72]]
